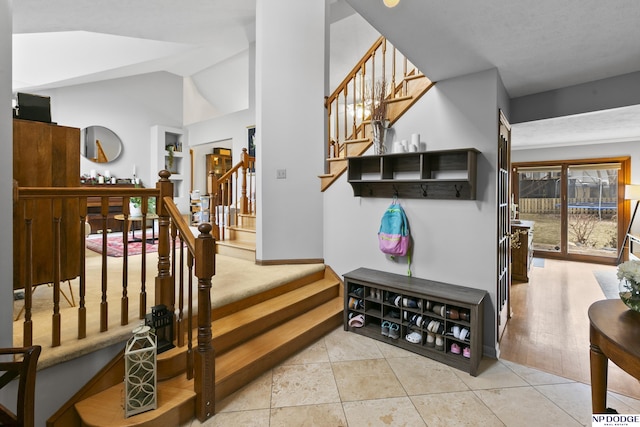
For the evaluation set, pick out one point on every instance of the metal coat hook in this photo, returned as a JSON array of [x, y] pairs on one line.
[[424, 190], [457, 190], [395, 192]]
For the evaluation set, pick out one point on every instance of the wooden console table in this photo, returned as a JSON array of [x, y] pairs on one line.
[[614, 333]]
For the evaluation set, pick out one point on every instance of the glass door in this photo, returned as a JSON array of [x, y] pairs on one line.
[[539, 199], [593, 209], [576, 207]]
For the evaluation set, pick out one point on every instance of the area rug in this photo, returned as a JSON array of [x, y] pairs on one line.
[[608, 282], [115, 246]]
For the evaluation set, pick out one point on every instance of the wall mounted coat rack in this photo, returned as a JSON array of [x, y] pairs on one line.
[[446, 174]]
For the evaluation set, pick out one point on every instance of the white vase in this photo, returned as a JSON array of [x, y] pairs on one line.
[[134, 210]]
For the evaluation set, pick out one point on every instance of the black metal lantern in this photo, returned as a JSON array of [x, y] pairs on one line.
[[161, 321]]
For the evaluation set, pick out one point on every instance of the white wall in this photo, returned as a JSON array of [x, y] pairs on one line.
[[454, 241], [290, 86], [128, 106], [6, 177]]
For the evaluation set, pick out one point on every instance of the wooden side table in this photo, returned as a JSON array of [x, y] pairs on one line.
[[614, 334]]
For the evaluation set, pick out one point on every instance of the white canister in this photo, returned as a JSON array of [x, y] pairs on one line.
[[415, 139], [397, 147], [405, 145]]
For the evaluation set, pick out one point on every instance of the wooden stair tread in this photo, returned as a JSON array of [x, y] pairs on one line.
[[236, 244], [105, 408], [256, 312], [244, 229], [259, 347]]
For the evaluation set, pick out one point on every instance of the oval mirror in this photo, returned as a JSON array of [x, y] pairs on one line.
[[100, 145]]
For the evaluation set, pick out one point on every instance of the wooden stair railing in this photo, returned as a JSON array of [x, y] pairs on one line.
[[181, 255], [201, 255], [232, 194], [348, 107]]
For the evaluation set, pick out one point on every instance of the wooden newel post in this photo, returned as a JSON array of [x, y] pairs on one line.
[[244, 202], [164, 281], [204, 378]]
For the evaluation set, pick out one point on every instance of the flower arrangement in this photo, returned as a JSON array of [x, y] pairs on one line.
[[629, 270], [629, 288]]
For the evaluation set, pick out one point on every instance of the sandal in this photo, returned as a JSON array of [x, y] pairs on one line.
[[357, 321], [414, 337]]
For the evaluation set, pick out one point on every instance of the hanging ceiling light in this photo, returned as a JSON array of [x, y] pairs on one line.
[[391, 3]]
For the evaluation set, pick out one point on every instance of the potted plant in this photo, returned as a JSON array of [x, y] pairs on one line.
[[135, 204], [170, 158]]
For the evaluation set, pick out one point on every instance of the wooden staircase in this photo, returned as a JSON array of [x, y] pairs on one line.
[[383, 70], [240, 239], [417, 85], [249, 337]]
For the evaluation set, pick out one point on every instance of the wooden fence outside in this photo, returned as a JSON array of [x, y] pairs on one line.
[[605, 207]]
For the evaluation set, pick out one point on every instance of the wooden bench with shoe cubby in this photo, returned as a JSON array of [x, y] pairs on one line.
[[441, 321]]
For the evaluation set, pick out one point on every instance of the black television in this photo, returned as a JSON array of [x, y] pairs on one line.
[[34, 107]]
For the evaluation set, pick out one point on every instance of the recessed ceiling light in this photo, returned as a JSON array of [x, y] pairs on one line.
[[391, 3]]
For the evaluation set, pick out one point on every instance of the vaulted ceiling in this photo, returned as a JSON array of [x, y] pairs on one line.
[[536, 46]]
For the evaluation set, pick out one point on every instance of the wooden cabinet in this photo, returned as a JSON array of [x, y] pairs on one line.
[[219, 164], [46, 155], [416, 305], [447, 174], [521, 250]]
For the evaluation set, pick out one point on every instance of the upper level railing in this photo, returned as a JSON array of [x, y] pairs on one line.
[[350, 106], [232, 194], [181, 257]]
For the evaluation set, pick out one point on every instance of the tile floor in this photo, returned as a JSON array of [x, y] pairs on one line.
[[346, 379]]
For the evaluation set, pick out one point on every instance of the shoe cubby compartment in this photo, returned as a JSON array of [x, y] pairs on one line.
[[436, 313]]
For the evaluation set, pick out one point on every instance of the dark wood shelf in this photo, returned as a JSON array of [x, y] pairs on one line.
[[446, 174], [426, 293]]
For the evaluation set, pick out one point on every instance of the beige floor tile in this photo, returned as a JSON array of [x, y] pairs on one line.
[[396, 412], [255, 395], [366, 379], [330, 414], [534, 376], [388, 351], [632, 403], [455, 409], [420, 375], [343, 345], [574, 398], [315, 353], [259, 418], [491, 374], [308, 384], [524, 407]]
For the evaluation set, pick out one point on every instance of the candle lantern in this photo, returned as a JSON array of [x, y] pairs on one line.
[[140, 376], [160, 320]]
